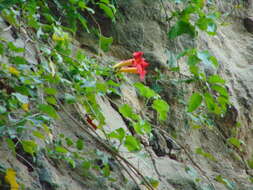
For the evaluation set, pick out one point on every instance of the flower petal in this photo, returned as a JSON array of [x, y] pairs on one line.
[[129, 70], [138, 54], [124, 63]]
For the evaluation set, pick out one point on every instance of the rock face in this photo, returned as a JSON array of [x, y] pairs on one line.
[[142, 26], [248, 24]]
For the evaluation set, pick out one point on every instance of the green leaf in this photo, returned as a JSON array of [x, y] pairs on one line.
[[1, 49], [250, 163], [223, 101], [38, 134], [127, 111], [211, 28], [180, 28], [132, 144], [69, 98], [221, 90], [21, 98], [105, 43], [18, 60], [86, 165], [2, 109], [194, 70], [251, 179], [49, 110], [204, 56], [193, 62], [106, 170], [210, 103], [13, 48], [214, 61], [144, 90], [51, 100], [153, 182], [202, 22], [142, 127], [69, 141], [108, 10], [201, 152], [61, 149], [118, 134], [71, 162], [101, 87], [29, 146], [50, 19], [50, 91], [224, 181], [11, 145], [5, 4], [9, 16], [207, 58], [216, 79], [162, 108], [234, 141], [112, 83], [185, 15], [192, 57], [73, 1], [146, 127], [84, 22], [79, 144], [82, 4], [199, 3], [207, 24], [194, 102]]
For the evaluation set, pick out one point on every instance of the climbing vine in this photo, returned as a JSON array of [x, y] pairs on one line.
[[33, 93], [210, 96]]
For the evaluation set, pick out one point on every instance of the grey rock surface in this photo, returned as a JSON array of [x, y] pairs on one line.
[[142, 27]]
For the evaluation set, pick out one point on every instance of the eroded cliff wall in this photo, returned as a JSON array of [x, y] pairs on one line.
[[142, 26]]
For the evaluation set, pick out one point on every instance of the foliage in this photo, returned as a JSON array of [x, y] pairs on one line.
[[193, 18], [32, 94], [158, 104], [201, 152], [10, 178], [22, 81], [211, 96], [227, 183], [58, 12], [36, 91]]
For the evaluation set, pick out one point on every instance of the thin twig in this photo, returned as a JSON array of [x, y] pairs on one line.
[[100, 33], [26, 161], [153, 161], [126, 169]]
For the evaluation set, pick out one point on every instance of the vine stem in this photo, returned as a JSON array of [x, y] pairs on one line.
[[154, 164], [190, 157], [110, 150]]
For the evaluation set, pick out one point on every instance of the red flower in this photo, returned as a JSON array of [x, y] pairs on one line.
[[136, 65], [140, 63]]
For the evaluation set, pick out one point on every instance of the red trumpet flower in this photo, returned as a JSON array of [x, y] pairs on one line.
[[136, 65]]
